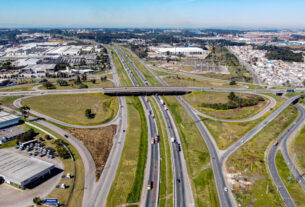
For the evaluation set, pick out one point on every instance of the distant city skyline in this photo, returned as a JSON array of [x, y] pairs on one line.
[[154, 13]]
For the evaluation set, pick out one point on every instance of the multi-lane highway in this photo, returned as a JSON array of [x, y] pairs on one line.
[[153, 181], [182, 190]]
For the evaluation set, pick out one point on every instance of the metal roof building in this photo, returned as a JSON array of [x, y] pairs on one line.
[[21, 170], [7, 119]]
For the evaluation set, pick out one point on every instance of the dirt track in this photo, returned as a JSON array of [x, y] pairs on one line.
[[99, 143]]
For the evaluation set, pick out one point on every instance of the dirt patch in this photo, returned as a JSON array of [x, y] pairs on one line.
[[99, 143]]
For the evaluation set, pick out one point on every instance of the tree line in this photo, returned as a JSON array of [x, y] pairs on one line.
[[234, 102]]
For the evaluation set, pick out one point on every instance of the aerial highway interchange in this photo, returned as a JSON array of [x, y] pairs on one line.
[[96, 192]]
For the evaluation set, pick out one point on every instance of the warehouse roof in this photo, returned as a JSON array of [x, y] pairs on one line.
[[18, 168], [7, 117]]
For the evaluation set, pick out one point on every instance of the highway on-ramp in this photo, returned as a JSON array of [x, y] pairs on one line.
[[272, 155]]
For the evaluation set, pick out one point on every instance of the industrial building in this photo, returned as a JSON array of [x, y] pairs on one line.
[[17, 169], [180, 50], [7, 119]]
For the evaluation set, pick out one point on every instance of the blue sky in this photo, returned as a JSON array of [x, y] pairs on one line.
[[153, 13]]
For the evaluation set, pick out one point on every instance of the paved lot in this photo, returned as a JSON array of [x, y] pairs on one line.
[[13, 197]]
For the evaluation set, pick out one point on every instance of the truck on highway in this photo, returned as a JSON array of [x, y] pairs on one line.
[[275, 143], [173, 139], [162, 102], [290, 90]]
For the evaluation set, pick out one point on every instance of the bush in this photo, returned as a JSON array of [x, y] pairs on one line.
[[62, 82], [27, 136], [37, 201], [48, 85], [80, 86]]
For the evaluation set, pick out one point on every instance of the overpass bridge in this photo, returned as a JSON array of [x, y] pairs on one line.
[[146, 91]]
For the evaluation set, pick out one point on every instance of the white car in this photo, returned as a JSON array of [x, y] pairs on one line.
[[225, 189]]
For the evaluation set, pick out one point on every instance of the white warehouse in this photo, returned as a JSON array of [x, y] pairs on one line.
[[180, 50], [22, 170], [7, 119]]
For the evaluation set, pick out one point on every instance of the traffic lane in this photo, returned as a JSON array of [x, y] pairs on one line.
[[277, 179], [223, 195]]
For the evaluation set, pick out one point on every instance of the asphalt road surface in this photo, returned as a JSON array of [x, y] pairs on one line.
[[272, 154], [182, 191]]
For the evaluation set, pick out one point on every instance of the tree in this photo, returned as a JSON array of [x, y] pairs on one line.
[[88, 113], [25, 111], [37, 201], [27, 136], [104, 78], [233, 82], [48, 85], [93, 81], [78, 81], [62, 82], [232, 96], [84, 77]]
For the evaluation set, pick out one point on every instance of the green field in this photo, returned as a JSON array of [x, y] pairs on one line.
[[24, 87], [298, 149], [196, 155], [250, 161], [166, 174], [226, 133], [98, 84], [294, 188], [195, 99], [128, 182], [71, 108]]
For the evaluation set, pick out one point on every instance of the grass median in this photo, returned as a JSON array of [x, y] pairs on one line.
[[248, 166], [166, 174], [298, 150], [128, 182], [196, 155], [70, 108], [294, 188]]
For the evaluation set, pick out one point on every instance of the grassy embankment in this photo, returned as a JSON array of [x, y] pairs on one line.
[[23, 87], [196, 155], [166, 174], [70, 108], [294, 188], [198, 98], [250, 161], [8, 100], [226, 133], [128, 182], [298, 150]]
